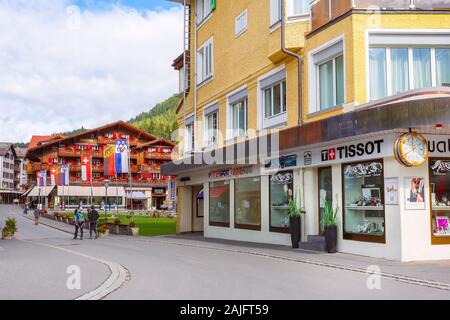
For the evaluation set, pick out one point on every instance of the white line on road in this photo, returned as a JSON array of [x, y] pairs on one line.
[[118, 277]]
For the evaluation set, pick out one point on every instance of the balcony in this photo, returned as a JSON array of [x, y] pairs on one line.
[[158, 156], [149, 168], [104, 141], [33, 167], [324, 11], [62, 152]]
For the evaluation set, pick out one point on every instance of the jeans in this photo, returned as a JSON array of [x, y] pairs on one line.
[[79, 225], [93, 227]]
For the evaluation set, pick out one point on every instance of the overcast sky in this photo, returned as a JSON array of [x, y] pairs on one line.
[[66, 64]]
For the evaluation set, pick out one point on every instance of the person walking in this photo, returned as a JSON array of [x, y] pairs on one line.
[[37, 214], [79, 222], [93, 218], [25, 211]]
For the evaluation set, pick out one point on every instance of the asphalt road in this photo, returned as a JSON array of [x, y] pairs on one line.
[[34, 266]]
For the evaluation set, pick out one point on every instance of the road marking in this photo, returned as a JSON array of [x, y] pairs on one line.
[[119, 275]]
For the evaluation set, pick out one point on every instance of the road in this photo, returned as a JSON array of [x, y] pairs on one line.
[[34, 266]]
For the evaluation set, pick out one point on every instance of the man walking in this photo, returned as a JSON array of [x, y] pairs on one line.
[[93, 218], [79, 222]]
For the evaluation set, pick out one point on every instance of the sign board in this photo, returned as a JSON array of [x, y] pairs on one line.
[[172, 188]]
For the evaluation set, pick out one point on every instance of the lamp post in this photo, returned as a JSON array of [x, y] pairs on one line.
[[106, 183]]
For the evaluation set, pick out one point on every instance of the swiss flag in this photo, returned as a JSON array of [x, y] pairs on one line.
[[86, 172]]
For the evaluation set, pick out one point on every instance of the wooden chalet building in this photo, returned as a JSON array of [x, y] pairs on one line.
[[142, 188]]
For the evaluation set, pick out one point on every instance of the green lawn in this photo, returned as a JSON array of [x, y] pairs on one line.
[[148, 227]]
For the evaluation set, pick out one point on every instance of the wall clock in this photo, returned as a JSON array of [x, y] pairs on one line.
[[411, 149]]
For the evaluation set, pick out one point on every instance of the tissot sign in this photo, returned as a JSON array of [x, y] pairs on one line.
[[352, 151]]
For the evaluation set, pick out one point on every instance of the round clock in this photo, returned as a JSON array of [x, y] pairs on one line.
[[411, 149]]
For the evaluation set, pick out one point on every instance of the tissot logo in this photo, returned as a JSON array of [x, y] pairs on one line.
[[352, 151]]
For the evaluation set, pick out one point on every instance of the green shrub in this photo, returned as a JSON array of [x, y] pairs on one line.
[[11, 225], [117, 221]]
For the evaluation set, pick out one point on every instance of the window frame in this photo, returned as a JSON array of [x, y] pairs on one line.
[[189, 136], [215, 223], [272, 228], [202, 61], [207, 130], [335, 85], [364, 237], [235, 131], [248, 226], [292, 16], [274, 18], [204, 17], [237, 32]]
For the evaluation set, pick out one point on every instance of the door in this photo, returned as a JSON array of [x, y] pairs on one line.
[[325, 191]]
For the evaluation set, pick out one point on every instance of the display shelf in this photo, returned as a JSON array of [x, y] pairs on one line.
[[440, 208], [365, 208]]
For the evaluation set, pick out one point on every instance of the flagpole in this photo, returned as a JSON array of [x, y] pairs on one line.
[[129, 172]]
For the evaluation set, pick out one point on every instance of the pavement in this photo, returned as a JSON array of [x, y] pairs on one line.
[[34, 266]]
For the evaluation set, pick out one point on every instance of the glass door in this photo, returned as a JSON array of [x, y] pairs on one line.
[[325, 191]]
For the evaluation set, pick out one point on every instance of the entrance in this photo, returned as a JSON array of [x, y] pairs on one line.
[[197, 214], [325, 192]]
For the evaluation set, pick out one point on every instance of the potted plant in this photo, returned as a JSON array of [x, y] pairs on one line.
[[10, 229], [329, 226], [102, 230], [134, 229], [294, 212]]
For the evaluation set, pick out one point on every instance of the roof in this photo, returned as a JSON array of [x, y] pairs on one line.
[[88, 132], [41, 191], [80, 191], [21, 152], [159, 141], [4, 147], [38, 140]]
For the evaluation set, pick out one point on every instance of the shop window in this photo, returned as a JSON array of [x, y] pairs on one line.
[[325, 191], [247, 203], [440, 200], [219, 203], [364, 218], [281, 191]]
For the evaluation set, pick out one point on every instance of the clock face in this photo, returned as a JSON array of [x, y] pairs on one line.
[[412, 149]]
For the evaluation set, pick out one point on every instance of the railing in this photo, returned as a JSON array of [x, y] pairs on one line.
[[158, 156], [149, 168], [33, 167], [104, 140], [62, 152], [324, 11]]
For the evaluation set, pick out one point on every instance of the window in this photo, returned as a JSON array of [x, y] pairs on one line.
[[205, 62], [440, 202], [239, 118], [275, 12], [281, 191], [325, 192], [247, 203], [219, 203], [275, 100], [183, 80], [212, 128], [241, 23], [363, 186], [189, 137], [331, 83], [395, 70], [203, 10], [298, 8]]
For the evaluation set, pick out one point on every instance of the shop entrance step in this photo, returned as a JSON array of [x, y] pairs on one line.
[[314, 243]]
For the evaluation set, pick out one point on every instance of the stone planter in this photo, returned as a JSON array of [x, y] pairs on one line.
[[7, 236], [134, 232], [105, 234]]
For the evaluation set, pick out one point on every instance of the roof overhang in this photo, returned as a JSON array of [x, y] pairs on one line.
[[421, 108]]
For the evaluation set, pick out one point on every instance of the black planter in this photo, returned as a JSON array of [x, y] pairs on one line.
[[331, 239], [294, 228]]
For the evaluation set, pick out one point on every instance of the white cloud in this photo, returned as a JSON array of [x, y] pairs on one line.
[[56, 75]]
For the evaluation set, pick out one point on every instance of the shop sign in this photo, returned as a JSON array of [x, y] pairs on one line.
[[230, 172], [172, 187], [438, 146], [282, 162]]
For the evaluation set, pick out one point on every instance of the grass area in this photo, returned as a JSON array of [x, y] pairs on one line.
[[148, 227]]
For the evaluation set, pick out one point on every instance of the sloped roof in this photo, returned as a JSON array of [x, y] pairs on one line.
[[4, 147], [38, 140], [21, 152], [159, 141]]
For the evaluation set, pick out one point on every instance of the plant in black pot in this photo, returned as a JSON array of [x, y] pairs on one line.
[[329, 226], [295, 212]]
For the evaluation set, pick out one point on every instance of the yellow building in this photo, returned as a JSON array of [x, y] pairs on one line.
[[252, 135]]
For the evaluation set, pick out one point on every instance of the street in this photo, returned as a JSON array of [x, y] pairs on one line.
[[35, 266]]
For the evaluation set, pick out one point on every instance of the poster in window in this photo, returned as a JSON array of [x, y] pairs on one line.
[[391, 191], [414, 193]]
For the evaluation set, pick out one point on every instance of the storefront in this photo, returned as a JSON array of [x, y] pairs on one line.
[[393, 202]]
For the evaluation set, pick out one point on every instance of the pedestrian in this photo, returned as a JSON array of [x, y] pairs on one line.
[[93, 218], [26, 208], [79, 222], [37, 214]]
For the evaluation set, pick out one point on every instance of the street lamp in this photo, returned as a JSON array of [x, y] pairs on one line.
[[106, 184]]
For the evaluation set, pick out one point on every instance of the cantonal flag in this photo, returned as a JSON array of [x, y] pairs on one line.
[[108, 161], [86, 173], [54, 175], [65, 175], [41, 178], [121, 156]]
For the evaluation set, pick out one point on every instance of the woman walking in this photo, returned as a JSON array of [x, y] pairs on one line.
[[79, 222]]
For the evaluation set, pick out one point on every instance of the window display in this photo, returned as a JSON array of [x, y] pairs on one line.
[[364, 201], [440, 200], [247, 203], [325, 190], [219, 203], [281, 190]]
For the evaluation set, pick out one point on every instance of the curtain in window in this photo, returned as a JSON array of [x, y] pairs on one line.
[[422, 67], [277, 99], [442, 66], [340, 98], [326, 85], [377, 69], [242, 117], [399, 67], [301, 6]]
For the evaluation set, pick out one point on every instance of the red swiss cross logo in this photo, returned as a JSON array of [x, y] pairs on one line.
[[331, 154], [85, 161]]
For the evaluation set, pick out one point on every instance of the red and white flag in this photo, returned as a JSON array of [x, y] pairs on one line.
[[86, 173]]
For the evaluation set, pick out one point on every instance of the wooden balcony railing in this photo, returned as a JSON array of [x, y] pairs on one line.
[[324, 11], [62, 152], [104, 141], [149, 168], [158, 156], [33, 167]]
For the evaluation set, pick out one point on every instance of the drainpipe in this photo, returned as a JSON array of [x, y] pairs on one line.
[[295, 55]]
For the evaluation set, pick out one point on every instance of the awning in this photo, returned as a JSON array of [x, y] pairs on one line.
[[11, 192], [201, 195], [137, 195], [42, 191], [26, 192], [78, 191]]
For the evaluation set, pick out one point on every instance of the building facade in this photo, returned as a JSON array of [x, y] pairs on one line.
[[9, 171], [143, 187], [374, 81]]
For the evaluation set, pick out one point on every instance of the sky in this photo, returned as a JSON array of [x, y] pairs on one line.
[[72, 63]]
